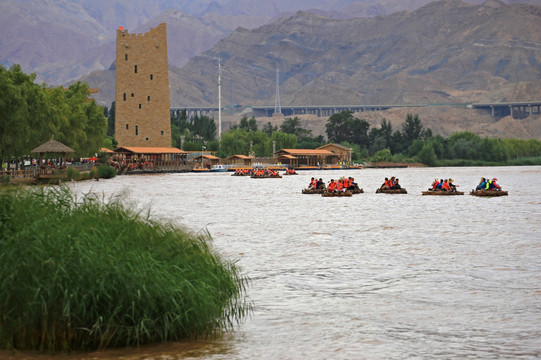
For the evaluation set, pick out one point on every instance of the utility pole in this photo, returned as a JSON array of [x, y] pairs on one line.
[[219, 99], [277, 107]]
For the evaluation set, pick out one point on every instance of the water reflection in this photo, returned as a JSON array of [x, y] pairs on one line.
[[373, 276]]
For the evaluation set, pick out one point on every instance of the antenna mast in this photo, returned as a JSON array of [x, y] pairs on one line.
[[277, 107]]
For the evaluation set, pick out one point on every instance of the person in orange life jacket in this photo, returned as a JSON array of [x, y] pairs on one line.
[[445, 185], [340, 186], [345, 182], [396, 185], [332, 186], [435, 184], [384, 185], [494, 185], [312, 184]]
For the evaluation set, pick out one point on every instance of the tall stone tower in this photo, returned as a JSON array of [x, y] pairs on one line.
[[142, 110]]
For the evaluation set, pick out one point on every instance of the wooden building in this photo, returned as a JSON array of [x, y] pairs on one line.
[[344, 153], [239, 160], [306, 157], [151, 158]]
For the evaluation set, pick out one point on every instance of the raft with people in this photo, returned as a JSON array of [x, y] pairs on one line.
[[442, 192], [313, 191], [391, 191], [336, 193], [489, 193], [391, 186], [488, 188]]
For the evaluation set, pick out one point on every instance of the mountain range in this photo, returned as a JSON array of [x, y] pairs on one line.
[[333, 52], [62, 40]]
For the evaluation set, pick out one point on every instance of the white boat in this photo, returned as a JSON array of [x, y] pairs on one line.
[[218, 168]]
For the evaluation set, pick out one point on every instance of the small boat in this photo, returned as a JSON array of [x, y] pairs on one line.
[[391, 191], [218, 168], [313, 191], [443, 192], [489, 193], [336, 193]]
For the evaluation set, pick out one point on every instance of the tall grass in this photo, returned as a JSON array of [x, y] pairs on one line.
[[82, 274]]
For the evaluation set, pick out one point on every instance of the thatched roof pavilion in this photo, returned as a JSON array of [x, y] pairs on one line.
[[53, 147]]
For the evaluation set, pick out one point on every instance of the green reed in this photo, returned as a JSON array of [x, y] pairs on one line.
[[82, 274]]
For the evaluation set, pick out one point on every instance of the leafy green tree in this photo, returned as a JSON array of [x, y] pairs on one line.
[[248, 124], [412, 129], [344, 127], [284, 140], [382, 156], [427, 155], [269, 129], [293, 126], [204, 126], [110, 115], [23, 113]]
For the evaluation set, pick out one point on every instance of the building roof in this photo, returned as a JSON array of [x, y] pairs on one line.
[[207, 156], [149, 150], [335, 145], [306, 152], [105, 150], [53, 146], [243, 157], [289, 157]]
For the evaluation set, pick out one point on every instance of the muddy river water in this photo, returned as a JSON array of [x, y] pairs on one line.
[[373, 276]]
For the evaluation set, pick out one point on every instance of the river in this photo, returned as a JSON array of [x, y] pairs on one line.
[[373, 276]]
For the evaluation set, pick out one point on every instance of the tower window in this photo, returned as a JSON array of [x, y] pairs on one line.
[[151, 77], [127, 126], [146, 139], [136, 130], [126, 57], [139, 106], [124, 96], [148, 98], [132, 94], [135, 68], [162, 132]]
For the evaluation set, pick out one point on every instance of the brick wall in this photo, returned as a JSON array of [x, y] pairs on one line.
[[142, 116]]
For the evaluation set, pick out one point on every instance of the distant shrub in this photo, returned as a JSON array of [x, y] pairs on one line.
[[106, 172], [72, 173], [81, 274]]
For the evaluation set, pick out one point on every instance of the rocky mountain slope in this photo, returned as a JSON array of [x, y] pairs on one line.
[[447, 51], [61, 40]]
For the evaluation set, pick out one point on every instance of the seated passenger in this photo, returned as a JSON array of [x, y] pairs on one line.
[[482, 184], [320, 184], [494, 186], [395, 185], [451, 185], [445, 185]]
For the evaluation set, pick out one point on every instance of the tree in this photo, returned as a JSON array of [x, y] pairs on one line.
[[427, 155], [284, 140], [344, 127], [269, 129], [293, 126], [412, 129], [248, 125], [204, 126], [110, 115]]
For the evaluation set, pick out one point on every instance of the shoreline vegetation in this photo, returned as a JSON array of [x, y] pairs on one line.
[[82, 274]]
